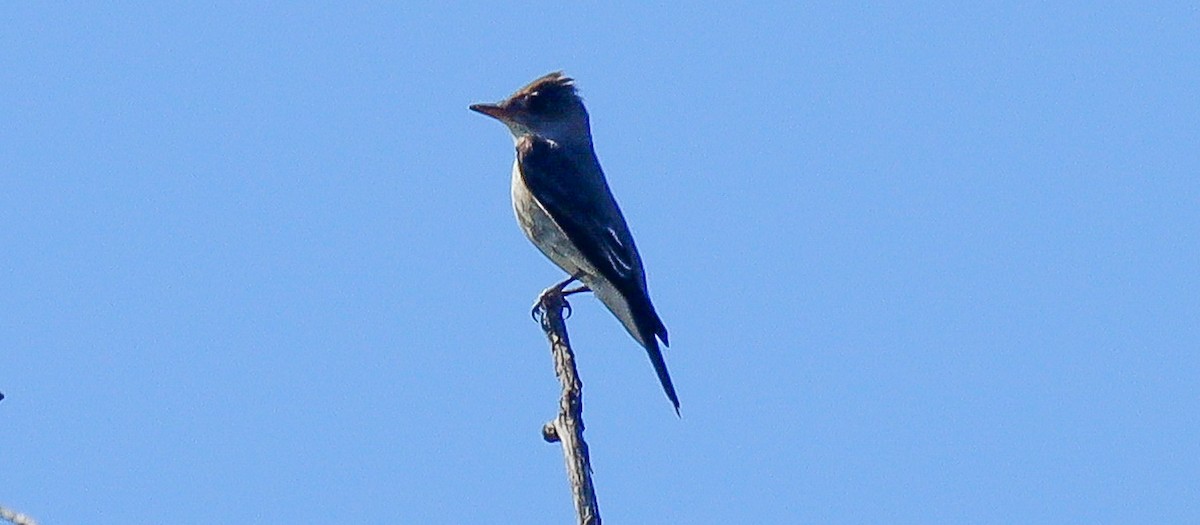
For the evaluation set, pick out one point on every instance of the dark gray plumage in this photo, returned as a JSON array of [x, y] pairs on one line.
[[565, 207]]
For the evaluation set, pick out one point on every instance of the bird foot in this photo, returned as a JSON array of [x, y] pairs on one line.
[[554, 294], [578, 289]]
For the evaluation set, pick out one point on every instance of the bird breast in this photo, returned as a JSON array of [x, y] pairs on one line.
[[541, 229]]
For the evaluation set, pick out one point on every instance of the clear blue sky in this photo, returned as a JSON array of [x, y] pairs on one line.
[[920, 264]]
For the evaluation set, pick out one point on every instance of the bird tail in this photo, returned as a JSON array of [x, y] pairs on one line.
[[664, 377], [636, 313], [650, 326]]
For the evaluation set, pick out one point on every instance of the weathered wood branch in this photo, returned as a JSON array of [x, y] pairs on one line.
[[567, 427], [16, 518]]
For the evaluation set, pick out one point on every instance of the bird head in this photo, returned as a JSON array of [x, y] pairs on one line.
[[548, 107]]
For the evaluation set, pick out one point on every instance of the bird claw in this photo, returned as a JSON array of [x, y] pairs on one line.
[[558, 292], [538, 312]]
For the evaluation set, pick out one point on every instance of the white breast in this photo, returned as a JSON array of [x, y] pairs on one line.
[[542, 230]]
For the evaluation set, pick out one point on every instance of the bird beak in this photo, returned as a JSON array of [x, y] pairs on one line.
[[495, 111]]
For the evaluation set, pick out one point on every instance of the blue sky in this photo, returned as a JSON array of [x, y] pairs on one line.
[[920, 263]]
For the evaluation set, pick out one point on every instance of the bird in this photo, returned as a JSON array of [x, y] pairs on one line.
[[564, 206]]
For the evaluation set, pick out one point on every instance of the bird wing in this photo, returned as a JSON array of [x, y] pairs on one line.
[[584, 208], [579, 201]]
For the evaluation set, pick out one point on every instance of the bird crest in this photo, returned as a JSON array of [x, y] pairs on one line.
[[552, 87]]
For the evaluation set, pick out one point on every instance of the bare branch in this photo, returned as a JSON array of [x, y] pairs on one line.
[[567, 427], [16, 518]]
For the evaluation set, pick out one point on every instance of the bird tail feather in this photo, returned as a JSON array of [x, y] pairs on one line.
[[649, 326]]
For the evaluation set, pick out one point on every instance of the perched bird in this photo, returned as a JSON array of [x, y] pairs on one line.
[[565, 207]]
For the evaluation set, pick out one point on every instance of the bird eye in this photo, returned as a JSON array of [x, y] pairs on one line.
[[534, 101]]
